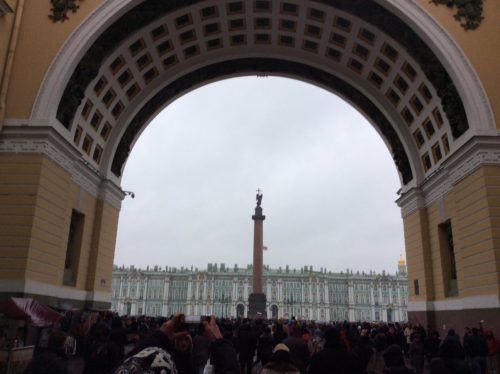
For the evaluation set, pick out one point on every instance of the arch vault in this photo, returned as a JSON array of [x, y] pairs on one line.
[[78, 88]]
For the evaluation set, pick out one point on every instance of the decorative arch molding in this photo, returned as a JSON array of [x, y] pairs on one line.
[[474, 97], [439, 46], [436, 37], [271, 67], [72, 51], [149, 11]]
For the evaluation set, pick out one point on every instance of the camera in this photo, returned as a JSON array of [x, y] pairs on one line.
[[193, 324]]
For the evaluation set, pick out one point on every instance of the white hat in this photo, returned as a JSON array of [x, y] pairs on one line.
[[281, 347]]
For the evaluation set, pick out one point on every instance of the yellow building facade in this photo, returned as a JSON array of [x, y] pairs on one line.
[[80, 80]]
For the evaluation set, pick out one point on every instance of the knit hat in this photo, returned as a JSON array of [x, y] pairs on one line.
[[152, 360], [281, 353], [393, 356], [178, 340], [281, 347]]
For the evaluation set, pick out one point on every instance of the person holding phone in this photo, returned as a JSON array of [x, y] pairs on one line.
[[154, 353]]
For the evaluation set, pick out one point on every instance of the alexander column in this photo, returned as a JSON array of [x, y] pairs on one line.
[[257, 299]]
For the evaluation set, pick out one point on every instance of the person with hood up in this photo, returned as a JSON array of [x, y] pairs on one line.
[[182, 355], [394, 361], [451, 358]]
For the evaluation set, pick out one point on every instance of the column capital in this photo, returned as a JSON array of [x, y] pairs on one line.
[[258, 216]]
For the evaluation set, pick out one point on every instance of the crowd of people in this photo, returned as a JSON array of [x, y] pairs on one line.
[[107, 343]]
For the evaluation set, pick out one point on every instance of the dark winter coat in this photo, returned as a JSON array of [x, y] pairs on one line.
[[265, 348], [247, 343], [48, 362], [101, 356], [279, 367], [449, 366], [335, 360], [394, 361], [299, 350]]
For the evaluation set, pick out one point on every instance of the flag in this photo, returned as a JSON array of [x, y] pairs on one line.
[[264, 248]]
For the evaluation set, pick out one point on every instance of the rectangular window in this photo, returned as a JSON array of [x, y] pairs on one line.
[[78, 135], [448, 261], [73, 248], [87, 144], [416, 286]]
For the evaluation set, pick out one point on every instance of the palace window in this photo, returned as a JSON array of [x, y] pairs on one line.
[[448, 261], [75, 234]]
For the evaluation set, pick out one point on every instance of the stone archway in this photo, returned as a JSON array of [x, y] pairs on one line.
[[121, 62], [240, 311], [274, 311]]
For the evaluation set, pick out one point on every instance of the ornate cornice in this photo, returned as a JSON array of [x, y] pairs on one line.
[[46, 141], [477, 152], [469, 13]]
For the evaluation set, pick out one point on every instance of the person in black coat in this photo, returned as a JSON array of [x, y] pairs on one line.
[[476, 349], [280, 362], [279, 334], [101, 353], [394, 361], [53, 360], [451, 358], [364, 349], [118, 335], [182, 354], [417, 353], [265, 346], [247, 343], [334, 358], [431, 346], [299, 350]]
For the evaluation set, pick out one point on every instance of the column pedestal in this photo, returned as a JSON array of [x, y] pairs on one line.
[[257, 305]]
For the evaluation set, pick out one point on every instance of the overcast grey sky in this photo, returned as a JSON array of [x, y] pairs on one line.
[[328, 180]]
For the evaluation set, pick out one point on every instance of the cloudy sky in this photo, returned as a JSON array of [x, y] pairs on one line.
[[328, 181]]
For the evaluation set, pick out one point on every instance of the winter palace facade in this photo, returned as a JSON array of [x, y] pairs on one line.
[[305, 294]]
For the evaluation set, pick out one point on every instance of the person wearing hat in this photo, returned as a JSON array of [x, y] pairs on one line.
[[280, 362], [182, 355]]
